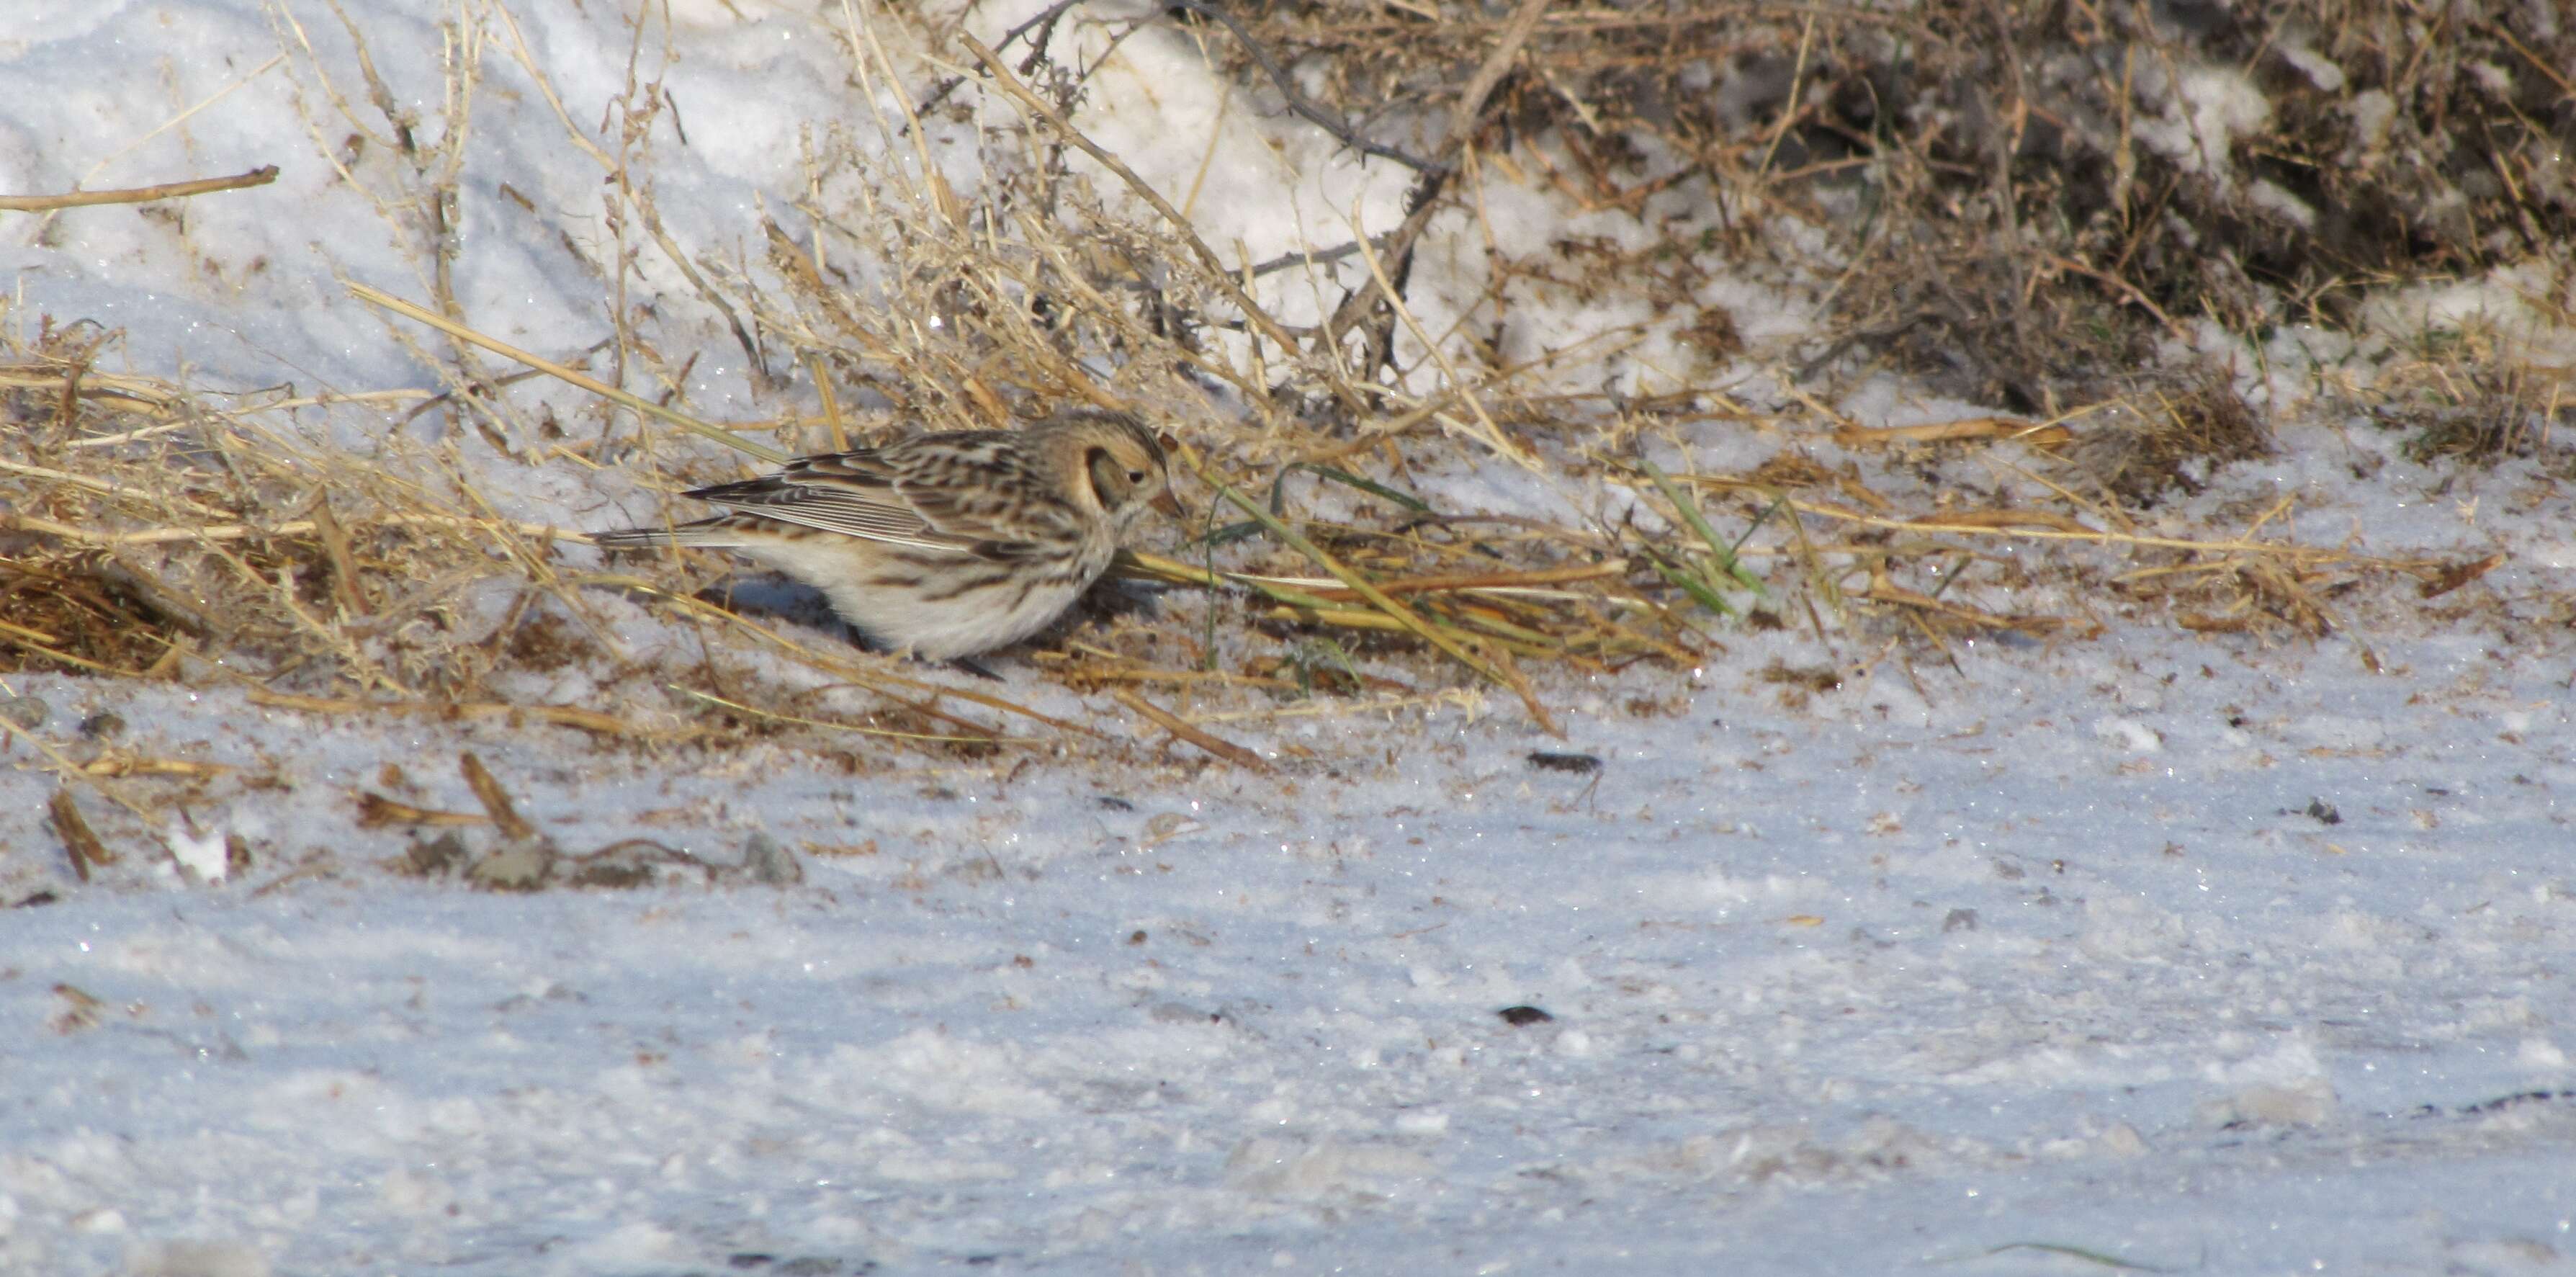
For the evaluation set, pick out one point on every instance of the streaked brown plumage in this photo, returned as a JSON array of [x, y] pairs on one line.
[[944, 545]]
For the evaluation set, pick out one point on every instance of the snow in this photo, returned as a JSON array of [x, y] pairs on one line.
[[2205, 109], [2195, 952]]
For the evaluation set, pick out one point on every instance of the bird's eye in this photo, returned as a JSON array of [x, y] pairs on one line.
[[1135, 476]]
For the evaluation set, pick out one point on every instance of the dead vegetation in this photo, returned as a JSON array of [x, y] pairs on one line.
[[2028, 192], [2012, 221], [146, 523]]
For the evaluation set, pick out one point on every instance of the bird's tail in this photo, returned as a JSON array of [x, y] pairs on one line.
[[707, 532]]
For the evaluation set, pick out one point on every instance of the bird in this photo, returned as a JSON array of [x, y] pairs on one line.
[[944, 545]]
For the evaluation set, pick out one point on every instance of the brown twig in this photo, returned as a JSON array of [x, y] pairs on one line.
[[495, 800], [79, 843], [261, 176], [113, 764], [1304, 107], [290, 528], [344, 563], [2129, 292], [1424, 200], [1458, 582], [877, 680], [560, 715], [1216, 270], [985, 736], [1165, 719], [2041, 434], [560, 373], [376, 810], [1432, 634], [64, 766], [1043, 21]]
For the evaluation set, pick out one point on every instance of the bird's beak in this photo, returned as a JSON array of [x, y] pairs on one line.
[[1168, 504]]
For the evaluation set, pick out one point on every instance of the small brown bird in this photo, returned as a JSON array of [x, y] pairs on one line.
[[944, 545]]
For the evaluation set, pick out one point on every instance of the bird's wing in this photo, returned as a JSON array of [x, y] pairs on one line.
[[930, 499]]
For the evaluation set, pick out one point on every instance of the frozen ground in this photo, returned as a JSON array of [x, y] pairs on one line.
[[1876, 987], [2192, 954]]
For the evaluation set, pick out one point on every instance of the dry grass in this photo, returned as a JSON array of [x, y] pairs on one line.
[[149, 531], [148, 524], [2022, 190]]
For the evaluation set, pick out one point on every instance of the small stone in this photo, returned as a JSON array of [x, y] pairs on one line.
[[520, 866], [1184, 1013], [769, 863], [435, 858], [1579, 764], [2123, 1140], [611, 876], [1519, 1016], [104, 725], [26, 713]]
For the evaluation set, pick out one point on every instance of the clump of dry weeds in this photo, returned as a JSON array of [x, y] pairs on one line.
[[151, 531], [145, 524], [2026, 194]]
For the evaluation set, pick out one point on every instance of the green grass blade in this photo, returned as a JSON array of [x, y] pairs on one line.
[[1346, 478], [1721, 551], [1688, 583]]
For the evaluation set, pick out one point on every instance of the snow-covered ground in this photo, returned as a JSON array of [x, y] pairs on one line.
[[2187, 953]]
